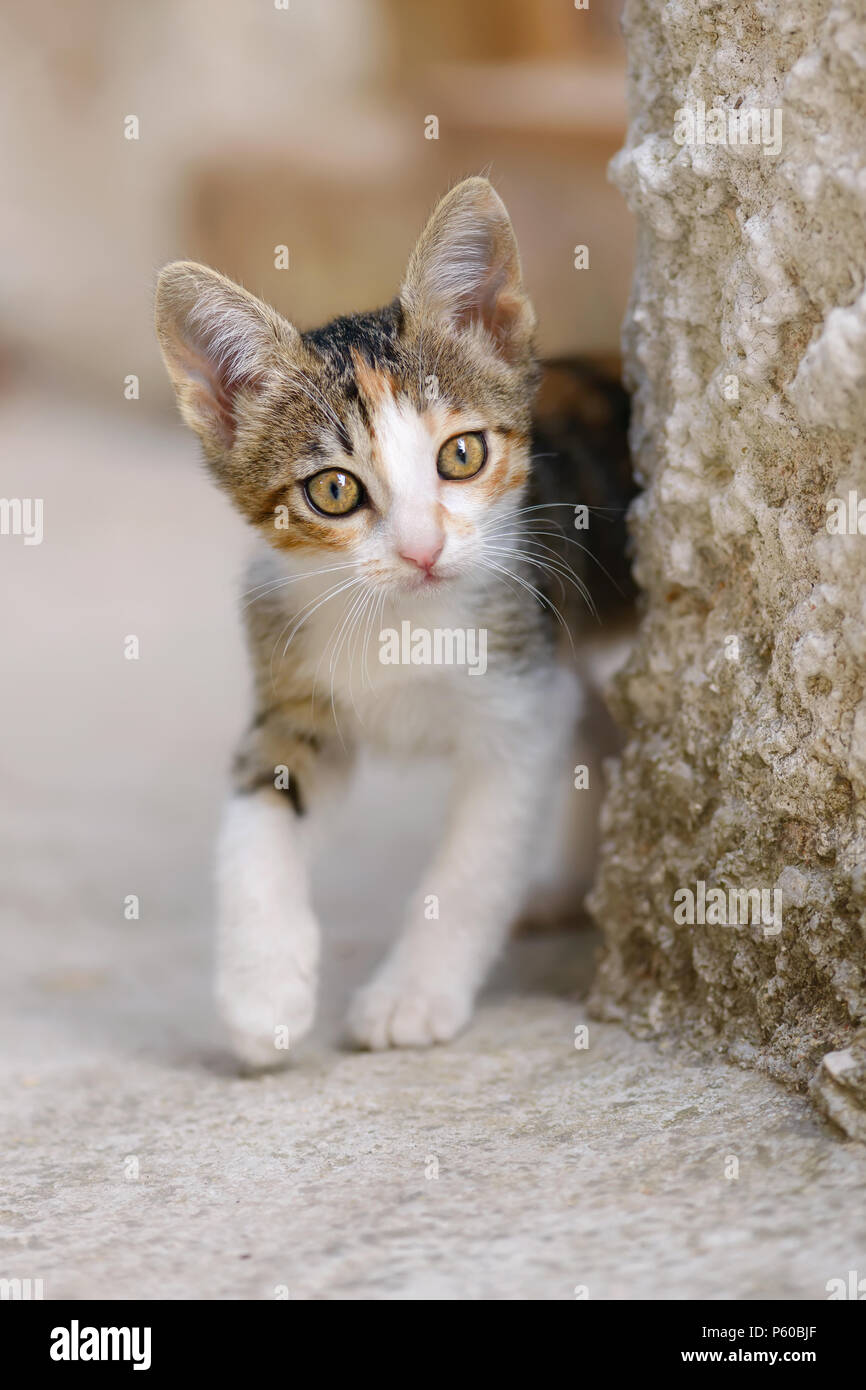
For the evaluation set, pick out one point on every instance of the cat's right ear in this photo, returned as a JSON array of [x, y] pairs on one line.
[[221, 346]]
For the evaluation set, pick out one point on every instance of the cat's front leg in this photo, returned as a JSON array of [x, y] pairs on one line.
[[267, 950], [458, 921]]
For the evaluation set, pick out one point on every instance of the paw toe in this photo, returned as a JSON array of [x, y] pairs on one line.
[[381, 1017]]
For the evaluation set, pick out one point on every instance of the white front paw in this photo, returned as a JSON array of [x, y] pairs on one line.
[[267, 1004], [264, 1022], [395, 1012]]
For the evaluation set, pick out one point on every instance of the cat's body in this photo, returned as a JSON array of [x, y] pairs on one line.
[[386, 462]]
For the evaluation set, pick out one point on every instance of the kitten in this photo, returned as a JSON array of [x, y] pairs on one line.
[[385, 462]]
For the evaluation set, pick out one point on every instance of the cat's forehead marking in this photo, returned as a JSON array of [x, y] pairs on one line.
[[401, 447], [372, 336], [376, 383]]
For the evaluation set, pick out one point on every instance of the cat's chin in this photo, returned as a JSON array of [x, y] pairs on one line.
[[429, 584], [427, 592]]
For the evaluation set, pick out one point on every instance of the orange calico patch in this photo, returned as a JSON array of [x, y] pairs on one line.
[[511, 471], [375, 385], [508, 468], [459, 525], [288, 524]]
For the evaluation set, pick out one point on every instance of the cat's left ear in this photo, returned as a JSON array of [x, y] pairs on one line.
[[465, 270]]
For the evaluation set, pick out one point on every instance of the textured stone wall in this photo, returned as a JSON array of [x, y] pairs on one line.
[[745, 701]]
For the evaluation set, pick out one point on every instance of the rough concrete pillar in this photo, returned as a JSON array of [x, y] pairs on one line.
[[745, 701]]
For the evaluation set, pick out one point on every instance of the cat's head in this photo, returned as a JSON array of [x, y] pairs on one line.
[[391, 440]]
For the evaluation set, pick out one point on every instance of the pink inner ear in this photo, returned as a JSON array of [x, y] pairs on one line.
[[505, 315], [215, 388], [493, 306]]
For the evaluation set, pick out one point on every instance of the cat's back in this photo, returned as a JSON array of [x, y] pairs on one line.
[[582, 482]]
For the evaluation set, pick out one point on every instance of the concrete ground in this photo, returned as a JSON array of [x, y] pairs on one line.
[[136, 1162]]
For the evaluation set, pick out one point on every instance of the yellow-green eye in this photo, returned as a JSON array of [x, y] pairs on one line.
[[334, 492], [463, 456]]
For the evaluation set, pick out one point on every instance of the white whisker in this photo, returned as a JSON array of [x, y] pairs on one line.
[[556, 567], [542, 598], [298, 620], [271, 585]]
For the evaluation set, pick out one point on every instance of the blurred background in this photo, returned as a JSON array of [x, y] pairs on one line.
[[308, 127]]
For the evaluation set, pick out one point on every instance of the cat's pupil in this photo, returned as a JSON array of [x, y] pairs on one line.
[[461, 450]]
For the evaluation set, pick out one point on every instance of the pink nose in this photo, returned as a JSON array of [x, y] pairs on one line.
[[424, 556]]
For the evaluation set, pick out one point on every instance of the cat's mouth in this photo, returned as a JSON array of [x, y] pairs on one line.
[[424, 587], [427, 581]]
